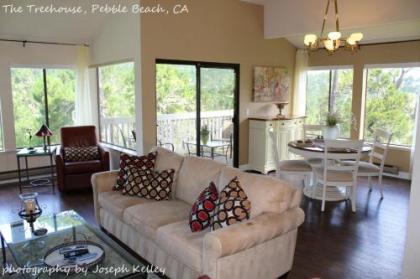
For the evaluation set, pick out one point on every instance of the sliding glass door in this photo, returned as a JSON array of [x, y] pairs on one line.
[[196, 106]]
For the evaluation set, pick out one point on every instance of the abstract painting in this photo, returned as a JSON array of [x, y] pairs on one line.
[[271, 84]]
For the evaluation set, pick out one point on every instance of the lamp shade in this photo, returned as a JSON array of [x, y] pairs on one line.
[[44, 131]]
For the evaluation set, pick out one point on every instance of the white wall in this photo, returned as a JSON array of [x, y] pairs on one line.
[[411, 269], [14, 54]]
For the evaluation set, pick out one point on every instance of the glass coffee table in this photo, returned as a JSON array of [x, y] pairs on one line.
[[28, 251]]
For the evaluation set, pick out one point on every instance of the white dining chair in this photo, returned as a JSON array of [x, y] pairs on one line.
[[310, 132], [289, 167], [333, 173], [378, 154]]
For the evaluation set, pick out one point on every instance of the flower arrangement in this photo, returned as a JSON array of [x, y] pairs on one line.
[[332, 119], [205, 132]]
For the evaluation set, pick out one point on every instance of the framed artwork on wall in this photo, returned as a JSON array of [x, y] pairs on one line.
[[271, 84]]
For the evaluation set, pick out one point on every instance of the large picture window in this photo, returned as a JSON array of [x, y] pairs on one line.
[[42, 96], [330, 90], [391, 102], [117, 104]]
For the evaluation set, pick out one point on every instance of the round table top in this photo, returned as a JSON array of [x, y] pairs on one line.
[[317, 146]]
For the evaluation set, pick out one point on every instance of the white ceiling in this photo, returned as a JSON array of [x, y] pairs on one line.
[[379, 20], [53, 27]]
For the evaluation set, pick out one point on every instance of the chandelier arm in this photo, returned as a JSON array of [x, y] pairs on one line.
[[325, 18], [337, 23]]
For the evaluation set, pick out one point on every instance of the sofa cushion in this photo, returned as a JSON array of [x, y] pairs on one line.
[[148, 217], [81, 153], [116, 203], [266, 194], [177, 240], [203, 209], [168, 160], [195, 174], [146, 162], [233, 206], [83, 167]]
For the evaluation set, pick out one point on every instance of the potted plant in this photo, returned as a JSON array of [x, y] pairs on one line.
[[205, 132], [332, 129]]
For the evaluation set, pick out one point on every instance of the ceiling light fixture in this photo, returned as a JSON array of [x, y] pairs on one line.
[[334, 39]]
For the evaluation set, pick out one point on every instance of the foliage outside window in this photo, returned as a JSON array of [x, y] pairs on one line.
[[330, 91], [31, 106], [391, 102], [117, 104]]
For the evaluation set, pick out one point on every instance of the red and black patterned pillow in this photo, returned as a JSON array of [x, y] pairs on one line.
[[146, 162], [233, 206], [148, 184], [81, 153], [203, 209]]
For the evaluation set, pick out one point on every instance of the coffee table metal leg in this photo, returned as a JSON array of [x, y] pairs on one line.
[[3, 250], [27, 170], [52, 173], [20, 175]]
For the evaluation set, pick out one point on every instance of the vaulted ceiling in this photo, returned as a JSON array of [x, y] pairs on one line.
[[379, 20]]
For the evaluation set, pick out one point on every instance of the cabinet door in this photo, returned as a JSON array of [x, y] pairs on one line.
[[285, 135]]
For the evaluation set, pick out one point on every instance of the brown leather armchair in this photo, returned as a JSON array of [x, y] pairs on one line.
[[76, 175]]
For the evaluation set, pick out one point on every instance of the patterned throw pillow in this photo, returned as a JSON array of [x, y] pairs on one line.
[[146, 162], [148, 184], [233, 206], [81, 153], [203, 208]]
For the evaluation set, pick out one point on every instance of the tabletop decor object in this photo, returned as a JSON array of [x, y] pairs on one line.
[[29, 132], [205, 132], [30, 211], [44, 132], [332, 129]]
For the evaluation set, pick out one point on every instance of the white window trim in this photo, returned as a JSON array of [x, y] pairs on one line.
[[331, 67], [392, 65]]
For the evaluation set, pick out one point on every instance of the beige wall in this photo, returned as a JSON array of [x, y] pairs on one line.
[[374, 54], [226, 31]]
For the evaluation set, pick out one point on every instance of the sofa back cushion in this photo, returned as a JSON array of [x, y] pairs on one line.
[[267, 194], [195, 175], [166, 160]]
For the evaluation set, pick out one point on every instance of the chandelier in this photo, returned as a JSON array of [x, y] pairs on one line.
[[334, 40]]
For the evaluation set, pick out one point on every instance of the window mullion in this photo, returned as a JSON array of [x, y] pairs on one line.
[[47, 118]]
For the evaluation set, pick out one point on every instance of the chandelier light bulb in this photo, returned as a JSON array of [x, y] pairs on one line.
[[329, 45], [350, 41], [334, 36], [310, 39], [356, 36]]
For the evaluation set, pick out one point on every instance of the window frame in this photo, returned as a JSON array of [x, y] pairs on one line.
[[329, 69], [362, 125], [98, 97], [44, 69]]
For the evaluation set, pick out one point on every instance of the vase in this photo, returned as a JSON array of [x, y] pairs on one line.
[[204, 138], [331, 132]]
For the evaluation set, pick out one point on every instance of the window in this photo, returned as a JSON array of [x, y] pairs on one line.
[[42, 96], [117, 104], [391, 102], [330, 91]]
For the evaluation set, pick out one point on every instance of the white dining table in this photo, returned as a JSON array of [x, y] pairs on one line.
[[315, 150]]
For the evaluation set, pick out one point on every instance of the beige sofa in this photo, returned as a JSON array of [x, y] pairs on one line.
[[262, 247]]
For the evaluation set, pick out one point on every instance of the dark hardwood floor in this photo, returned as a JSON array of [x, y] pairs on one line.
[[333, 244]]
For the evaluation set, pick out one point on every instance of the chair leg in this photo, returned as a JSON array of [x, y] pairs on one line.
[[381, 186], [370, 183], [314, 185], [353, 198], [324, 192]]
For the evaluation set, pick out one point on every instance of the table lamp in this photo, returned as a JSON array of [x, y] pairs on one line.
[[44, 132]]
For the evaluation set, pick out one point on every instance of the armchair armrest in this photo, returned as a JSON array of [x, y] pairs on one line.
[[102, 182], [104, 157], [241, 236], [59, 165]]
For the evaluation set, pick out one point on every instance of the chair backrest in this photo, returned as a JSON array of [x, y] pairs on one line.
[[333, 152], [380, 146], [78, 136], [311, 131]]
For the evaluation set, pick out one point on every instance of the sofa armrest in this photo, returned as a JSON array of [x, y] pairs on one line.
[[102, 182], [241, 236]]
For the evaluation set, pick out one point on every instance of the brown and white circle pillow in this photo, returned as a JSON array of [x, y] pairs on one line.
[[148, 184], [233, 206]]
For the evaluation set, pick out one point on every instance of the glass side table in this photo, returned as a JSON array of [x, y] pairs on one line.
[[36, 152]]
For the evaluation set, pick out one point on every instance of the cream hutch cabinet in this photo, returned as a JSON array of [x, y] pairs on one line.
[[261, 153]]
